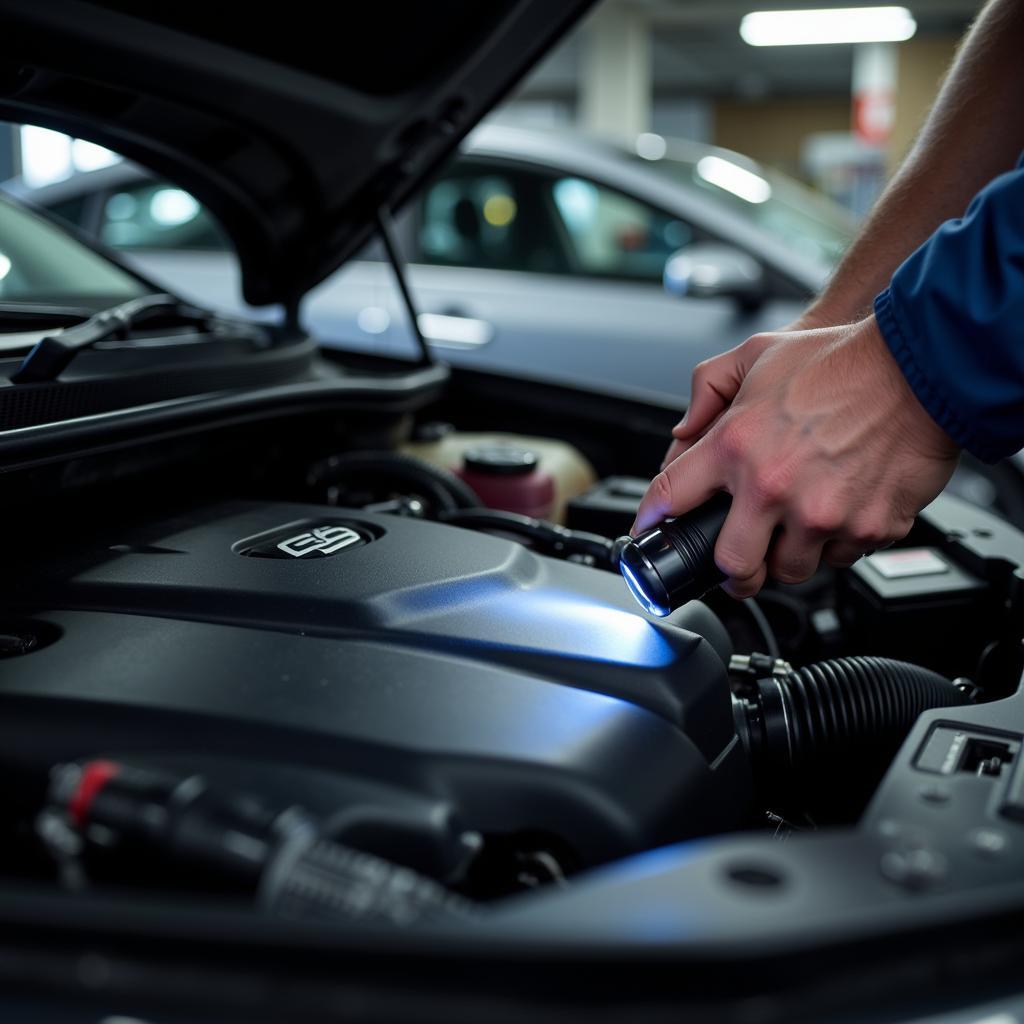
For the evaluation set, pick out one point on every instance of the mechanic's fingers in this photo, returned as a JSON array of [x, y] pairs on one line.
[[675, 449], [715, 384], [842, 554], [742, 589], [688, 482], [742, 548], [795, 555], [679, 446]]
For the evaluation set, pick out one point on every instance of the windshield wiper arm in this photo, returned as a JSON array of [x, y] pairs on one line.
[[52, 354]]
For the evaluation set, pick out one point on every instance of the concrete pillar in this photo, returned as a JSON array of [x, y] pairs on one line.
[[615, 73], [874, 91]]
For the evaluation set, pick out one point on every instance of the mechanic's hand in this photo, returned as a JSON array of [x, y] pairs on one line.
[[817, 436], [725, 373]]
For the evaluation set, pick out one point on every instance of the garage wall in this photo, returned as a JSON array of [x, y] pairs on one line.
[[773, 130]]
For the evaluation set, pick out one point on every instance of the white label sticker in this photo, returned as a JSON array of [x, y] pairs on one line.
[[904, 562]]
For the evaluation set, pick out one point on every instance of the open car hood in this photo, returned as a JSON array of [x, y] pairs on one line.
[[293, 125]]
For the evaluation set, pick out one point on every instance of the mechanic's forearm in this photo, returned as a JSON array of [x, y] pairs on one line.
[[974, 132]]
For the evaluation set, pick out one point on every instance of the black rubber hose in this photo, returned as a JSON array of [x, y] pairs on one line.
[[549, 538], [441, 487], [840, 713]]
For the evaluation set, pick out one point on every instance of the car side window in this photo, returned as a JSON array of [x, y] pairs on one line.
[[615, 235], [157, 215], [493, 217], [70, 211]]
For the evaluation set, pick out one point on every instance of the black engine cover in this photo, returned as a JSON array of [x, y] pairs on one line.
[[440, 672]]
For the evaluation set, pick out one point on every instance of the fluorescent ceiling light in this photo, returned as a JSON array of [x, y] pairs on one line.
[[833, 25], [45, 156], [735, 179], [87, 156]]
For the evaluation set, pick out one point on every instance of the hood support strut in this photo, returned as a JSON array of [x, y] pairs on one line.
[[386, 227]]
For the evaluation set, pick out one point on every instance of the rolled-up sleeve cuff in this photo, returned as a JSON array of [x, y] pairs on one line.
[[903, 351]]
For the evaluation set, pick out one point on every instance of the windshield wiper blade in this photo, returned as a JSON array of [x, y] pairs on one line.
[[52, 354], [33, 314]]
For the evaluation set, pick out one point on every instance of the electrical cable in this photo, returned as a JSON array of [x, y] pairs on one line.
[[548, 537], [763, 626]]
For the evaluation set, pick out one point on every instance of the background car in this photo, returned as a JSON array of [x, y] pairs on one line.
[[535, 253]]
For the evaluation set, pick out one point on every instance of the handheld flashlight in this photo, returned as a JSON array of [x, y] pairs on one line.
[[674, 562]]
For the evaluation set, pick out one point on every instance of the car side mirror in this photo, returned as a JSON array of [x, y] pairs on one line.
[[712, 270]]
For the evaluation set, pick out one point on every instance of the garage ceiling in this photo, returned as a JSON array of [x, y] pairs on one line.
[[697, 51]]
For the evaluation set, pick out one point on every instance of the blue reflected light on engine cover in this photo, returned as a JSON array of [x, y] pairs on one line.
[[574, 626], [489, 611]]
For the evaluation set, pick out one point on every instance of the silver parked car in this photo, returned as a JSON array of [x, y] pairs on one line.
[[536, 253]]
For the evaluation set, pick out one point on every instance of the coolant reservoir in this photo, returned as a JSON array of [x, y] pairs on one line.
[[511, 478], [570, 473]]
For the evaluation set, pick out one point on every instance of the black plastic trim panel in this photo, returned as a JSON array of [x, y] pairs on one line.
[[406, 391]]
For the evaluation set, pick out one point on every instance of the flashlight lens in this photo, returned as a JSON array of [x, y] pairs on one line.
[[641, 591], [674, 562]]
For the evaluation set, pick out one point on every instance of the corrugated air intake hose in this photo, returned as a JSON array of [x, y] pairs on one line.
[[835, 719]]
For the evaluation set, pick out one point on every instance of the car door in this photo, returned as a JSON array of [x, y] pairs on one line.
[[551, 275]]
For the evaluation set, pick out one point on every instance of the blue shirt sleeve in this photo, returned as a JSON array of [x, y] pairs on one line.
[[953, 318]]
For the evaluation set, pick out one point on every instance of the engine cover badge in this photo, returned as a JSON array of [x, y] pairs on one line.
[[305, 540]]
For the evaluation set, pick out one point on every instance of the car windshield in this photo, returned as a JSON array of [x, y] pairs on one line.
[[795, 215], [42, 265]]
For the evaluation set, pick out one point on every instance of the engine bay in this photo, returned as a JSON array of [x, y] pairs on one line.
[[473, 701]]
